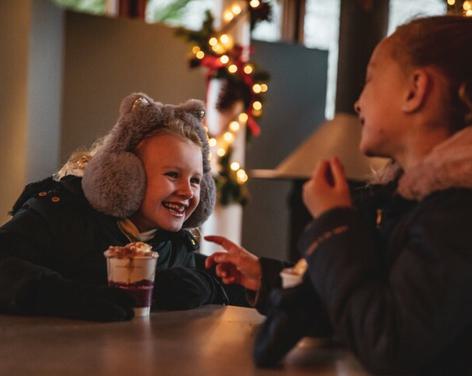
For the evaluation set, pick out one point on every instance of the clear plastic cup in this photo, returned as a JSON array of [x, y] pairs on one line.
[[136, 276], [290, 278]]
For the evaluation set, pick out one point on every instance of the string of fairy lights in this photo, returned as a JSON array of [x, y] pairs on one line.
[[461, 7], [216, 51]]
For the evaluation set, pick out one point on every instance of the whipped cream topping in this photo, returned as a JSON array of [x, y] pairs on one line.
[[130, 250]]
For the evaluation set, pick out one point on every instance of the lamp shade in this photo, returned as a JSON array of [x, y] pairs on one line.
[[337, 137]]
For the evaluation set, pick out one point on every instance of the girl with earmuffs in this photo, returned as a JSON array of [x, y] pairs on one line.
[[147, 180]]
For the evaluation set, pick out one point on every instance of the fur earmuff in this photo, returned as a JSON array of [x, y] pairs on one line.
[[114, 180]]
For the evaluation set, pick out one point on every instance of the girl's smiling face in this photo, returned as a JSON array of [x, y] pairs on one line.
[[380, 104], [174, 169]]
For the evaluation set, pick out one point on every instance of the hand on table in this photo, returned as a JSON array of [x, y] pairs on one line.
[[235, 264], [327, 188], [55, 296]]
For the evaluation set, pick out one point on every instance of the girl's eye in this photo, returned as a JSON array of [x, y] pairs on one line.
[[195, 181], [172, 174]]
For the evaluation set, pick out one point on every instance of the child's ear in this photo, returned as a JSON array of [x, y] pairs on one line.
[[419, 82]]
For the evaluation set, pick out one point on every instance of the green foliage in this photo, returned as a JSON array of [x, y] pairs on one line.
[[88, 6], [237, 87], [199, 37], [172, 12], [227, 186]]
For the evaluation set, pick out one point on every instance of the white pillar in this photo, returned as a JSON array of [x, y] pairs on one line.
[[226, 220], [111, 8]]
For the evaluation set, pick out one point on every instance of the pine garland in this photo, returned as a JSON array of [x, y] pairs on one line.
[[244, 82]]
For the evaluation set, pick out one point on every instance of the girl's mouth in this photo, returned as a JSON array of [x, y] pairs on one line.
[[175, 208]]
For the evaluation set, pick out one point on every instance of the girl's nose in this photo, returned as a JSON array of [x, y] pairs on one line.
[[185, 189], [357, 107]]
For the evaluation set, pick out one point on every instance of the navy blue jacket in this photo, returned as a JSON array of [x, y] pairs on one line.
[[391, 279]]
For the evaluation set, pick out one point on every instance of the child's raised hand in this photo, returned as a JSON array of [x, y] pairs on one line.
[[327, 188], [235, 264]]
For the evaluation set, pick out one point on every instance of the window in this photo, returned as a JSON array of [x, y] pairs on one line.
[[321, 31], [402, 11], [270, 30], [186, 13]]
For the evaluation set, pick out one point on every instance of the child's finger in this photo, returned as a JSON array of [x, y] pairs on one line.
[[228, 258], [322, 177], [210, 260], [219, 270], [229, 280], [318, 171], [224, 270], [224, 242], [324, 173], [338, 173]]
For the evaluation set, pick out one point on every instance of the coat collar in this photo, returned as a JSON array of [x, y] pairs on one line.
[[448, 165]]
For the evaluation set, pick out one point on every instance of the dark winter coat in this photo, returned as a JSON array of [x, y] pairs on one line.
[[394, 274], [55, 234]]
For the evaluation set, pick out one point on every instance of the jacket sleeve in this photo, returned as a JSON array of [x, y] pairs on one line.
[[24, 242], [270, 281], [186, 284], [400, 317]]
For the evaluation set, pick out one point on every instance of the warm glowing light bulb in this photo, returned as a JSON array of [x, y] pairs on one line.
[[200, 55], [228, 137], [224, 59], [213, 41], [469, 13], [236, 9], [257, 105], [212, 142], [232, 68], [218, 48], [235, 166], [225, 39], [254, 3], [195, 49], [248, 69], [467, 5], [243, 117], [256, 88], [241, 176], [451, 2], [264, 88], [228, 16], [234, 126], [221, 152]]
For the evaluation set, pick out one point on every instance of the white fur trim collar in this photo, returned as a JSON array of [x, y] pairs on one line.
[[448, 165]]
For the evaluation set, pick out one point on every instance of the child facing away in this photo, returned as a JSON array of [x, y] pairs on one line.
[[148, 180], [389, 270]]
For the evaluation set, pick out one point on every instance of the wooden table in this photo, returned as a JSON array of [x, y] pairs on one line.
[[211, 340]]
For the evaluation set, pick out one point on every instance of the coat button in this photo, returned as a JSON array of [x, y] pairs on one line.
[[42, 194], [55, 199]]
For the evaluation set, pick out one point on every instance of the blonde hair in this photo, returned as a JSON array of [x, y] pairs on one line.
[[77, 161], [179, 128]]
